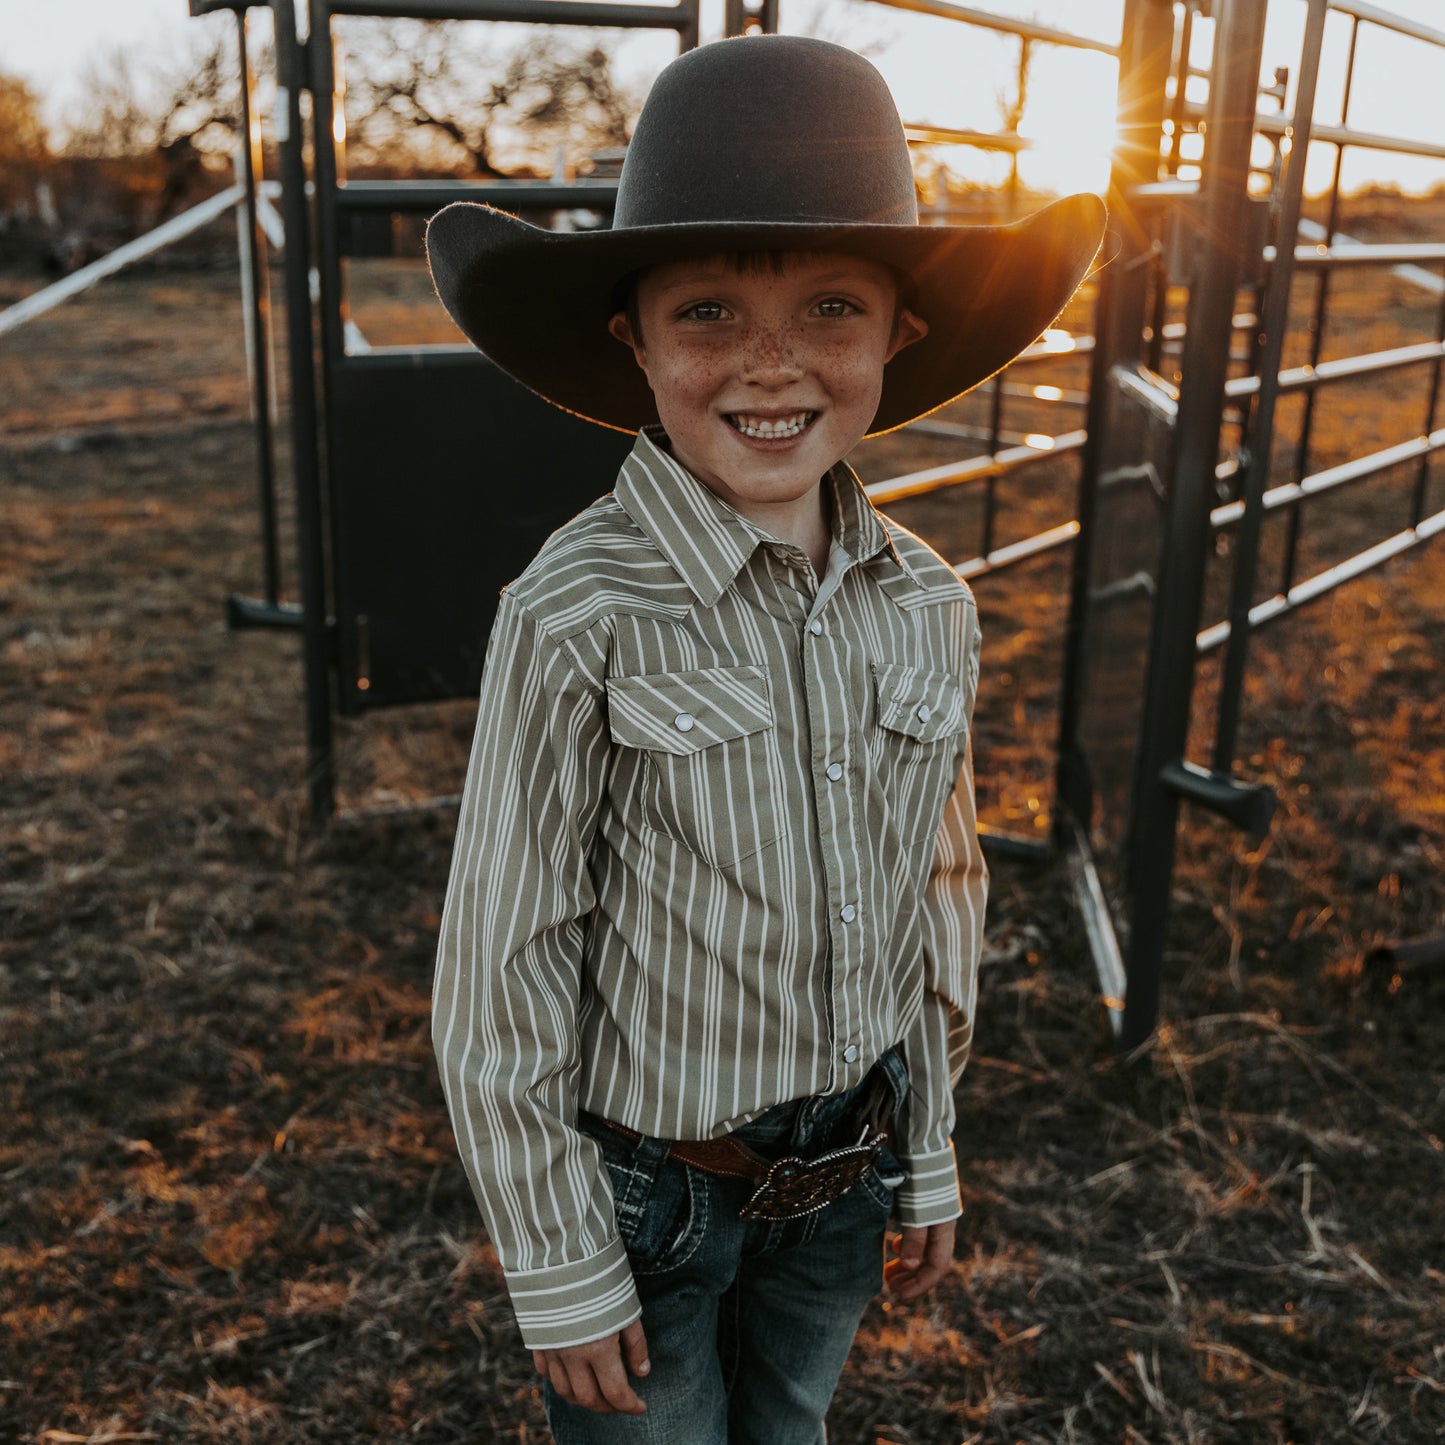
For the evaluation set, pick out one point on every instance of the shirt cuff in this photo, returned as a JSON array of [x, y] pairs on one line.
[[929, 1194], [574, 1304]]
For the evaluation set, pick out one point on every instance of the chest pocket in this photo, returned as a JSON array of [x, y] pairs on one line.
[[917, 744], [710, 778]]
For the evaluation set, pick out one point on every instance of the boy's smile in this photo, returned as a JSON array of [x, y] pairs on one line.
[[766, 369]]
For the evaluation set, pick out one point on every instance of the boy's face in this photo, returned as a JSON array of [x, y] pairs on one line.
[[766, 375]]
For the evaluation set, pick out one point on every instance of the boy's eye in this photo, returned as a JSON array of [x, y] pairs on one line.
[[834, 306], [704, 311]]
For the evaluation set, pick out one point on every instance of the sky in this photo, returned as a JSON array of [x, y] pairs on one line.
[[943, 73]]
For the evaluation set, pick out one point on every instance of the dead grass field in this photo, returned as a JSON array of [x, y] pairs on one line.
[[229, 1205]]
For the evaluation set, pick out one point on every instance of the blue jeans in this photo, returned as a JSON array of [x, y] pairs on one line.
[[748, 1323]]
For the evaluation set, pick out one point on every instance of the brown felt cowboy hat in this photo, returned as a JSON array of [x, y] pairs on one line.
[[763, 143]]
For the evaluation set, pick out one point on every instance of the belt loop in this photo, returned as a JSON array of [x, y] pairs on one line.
[[653, 1150]]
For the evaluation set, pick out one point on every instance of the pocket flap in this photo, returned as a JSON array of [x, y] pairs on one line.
[[919, 703], [684, 712]]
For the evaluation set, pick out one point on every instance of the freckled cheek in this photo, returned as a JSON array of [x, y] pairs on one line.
[[847, 368], [686, 382], [857, 381]]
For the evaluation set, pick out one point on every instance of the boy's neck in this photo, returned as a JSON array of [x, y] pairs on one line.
[[804, 522]]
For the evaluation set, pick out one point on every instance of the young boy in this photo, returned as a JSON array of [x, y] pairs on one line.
[[708, 960]]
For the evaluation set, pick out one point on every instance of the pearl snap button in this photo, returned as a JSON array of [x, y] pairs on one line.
[[848, 913], [683, 722], [924, 712], [815, 627], [850, 1054], [835, 771]]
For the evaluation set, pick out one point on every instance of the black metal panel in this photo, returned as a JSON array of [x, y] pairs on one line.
[[424, 197], [1122, 588], [529, 12], [446, 477]]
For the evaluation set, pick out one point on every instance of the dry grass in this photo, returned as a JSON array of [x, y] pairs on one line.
[[229, 1205]]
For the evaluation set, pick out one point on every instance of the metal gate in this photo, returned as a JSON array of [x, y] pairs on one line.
[[424, 475], [407, 482], [1181, 449]]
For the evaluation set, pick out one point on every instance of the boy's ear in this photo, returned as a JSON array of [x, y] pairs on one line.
[[621, 328], [907, 328]]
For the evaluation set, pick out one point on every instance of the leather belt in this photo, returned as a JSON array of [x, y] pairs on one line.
[[790, 1187], [727, 1157]]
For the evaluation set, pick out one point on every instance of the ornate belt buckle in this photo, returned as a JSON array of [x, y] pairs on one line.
[[794, 1187]]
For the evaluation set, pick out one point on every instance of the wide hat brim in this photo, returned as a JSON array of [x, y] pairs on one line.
[[538, 302]]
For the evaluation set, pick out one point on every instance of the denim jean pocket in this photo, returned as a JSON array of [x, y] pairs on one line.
[[661, 1209], [671, 1226]]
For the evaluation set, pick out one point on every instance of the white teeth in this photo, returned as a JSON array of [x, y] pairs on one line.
[[771, 428]]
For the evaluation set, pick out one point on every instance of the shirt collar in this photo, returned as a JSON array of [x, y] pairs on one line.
[[705, 540]]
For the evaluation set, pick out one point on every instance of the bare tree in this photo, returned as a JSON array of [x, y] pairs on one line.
[[117, 121], [421, 90], [155, 135], [136, 107], [569, 97]]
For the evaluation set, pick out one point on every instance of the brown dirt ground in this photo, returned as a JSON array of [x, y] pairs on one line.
[[230, 1209]]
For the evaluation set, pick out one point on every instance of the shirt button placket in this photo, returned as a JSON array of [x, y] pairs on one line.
[[832, 804]]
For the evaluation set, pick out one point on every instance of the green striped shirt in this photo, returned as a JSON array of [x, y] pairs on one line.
[[717, 850]]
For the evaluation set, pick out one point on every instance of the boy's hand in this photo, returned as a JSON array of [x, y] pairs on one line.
[[923, 1257], [593, 1375]]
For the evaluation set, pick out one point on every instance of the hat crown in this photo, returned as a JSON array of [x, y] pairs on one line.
[[772, 129]]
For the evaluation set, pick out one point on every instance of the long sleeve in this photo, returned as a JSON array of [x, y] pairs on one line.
[[937, 1045], [508, 980]]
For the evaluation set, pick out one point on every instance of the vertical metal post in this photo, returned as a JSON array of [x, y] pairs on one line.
[[255, 284], [1270, 353], [326, 173], [1146, 48], [688, 34], [1432, 407], [990, 482], [1169, 684], [1322, 288], [1171, 168], [1181, 87], [305, 438], [739, 17]]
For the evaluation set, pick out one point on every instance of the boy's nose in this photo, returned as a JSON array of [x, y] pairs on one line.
[[772, 355]]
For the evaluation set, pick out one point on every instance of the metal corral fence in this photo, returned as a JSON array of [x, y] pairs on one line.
[[400, 564], [1179, 448], [410, 518], [1184, 450]]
